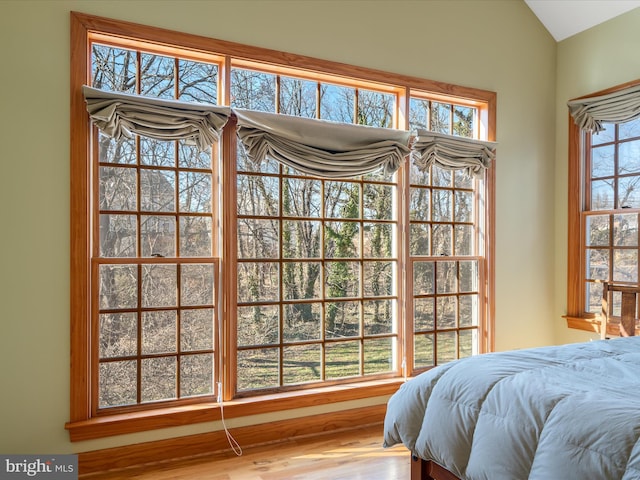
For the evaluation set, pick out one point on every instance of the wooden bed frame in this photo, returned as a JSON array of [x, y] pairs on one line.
[[626, 325], [428, 470]]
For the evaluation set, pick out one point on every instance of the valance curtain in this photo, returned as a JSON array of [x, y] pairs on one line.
[[121, 115], [452, 153], [617, 107], [318, 147]]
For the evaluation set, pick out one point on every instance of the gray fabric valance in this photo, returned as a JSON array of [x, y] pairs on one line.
[[452, 153], [318, 147], [616, 107], [121, 115]]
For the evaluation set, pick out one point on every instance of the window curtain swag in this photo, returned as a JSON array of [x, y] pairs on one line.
[[319, 147], [120, 115], [452, 153], [618, 107]]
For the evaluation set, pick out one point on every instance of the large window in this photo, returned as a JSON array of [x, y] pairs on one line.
[[604, 206], [194, 269]]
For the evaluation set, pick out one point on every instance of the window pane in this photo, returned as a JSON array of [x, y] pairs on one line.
[[423, 314], [625, 230], [301, 198], [258, 325], [446, 277], [342, 319], [442, 206], [301, 239], [378, 317], [118, 286], [337, 103], [258, 195], [157, 236], [597, 230], [118, 334], [342, 279], [602, 161], [378, 240], [464, 206], [378, 202], [118, 235], [602, 195], [301, 280], [302, 321], [253, 90], [196, 375], [257, 238], [593, 297], [625, 265], [118, 189], [629, 129], [423, 351], [423, 279], [418, 114], [464, 240], [468, 343], [375, 109], [598, 264], [298, 97], [116, 151], [447, 348], [441, 239], [195, 236], [159, 379], [629, 157], [342, 239], [113, 69], [258, 368], [196, 329], [342, 359], [446, 312], [342, 200], [157, 191], [258, 282], [196, 285], [440, 117], [195, 192], [190, 157], [468, 310], [198, 82], [464, 121], [378, 355], [159, 285], [118, 383], [441, 177], [605, 136], [468, 276], [159, 332], [302, 364], [378, 279], [157, 76], [629, 192], [419, 204], [419, 237]]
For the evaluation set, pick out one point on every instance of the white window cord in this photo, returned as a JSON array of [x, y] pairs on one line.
[[235, 446]]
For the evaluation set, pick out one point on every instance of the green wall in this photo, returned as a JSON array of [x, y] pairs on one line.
[[496, 45]]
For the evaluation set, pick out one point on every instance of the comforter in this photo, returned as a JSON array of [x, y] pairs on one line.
[[553, 413]]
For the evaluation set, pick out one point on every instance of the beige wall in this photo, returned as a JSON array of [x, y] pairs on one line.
[[599, 58], [495, 45]]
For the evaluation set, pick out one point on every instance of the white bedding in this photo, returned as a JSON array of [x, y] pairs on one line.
[[553, 413]]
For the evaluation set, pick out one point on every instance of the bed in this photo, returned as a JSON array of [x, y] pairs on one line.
[[551, 413]]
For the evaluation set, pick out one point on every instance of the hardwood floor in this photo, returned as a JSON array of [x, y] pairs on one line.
[[351, 455]]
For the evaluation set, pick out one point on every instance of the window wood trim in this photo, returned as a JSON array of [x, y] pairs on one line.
[[82, 425]]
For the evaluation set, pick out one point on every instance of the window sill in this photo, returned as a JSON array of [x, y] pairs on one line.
[[583, 323], [121, 424]]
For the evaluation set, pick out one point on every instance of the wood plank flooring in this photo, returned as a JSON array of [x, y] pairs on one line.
[[350, 455]]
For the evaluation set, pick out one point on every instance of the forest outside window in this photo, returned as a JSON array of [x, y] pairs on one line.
[[207, 268]]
